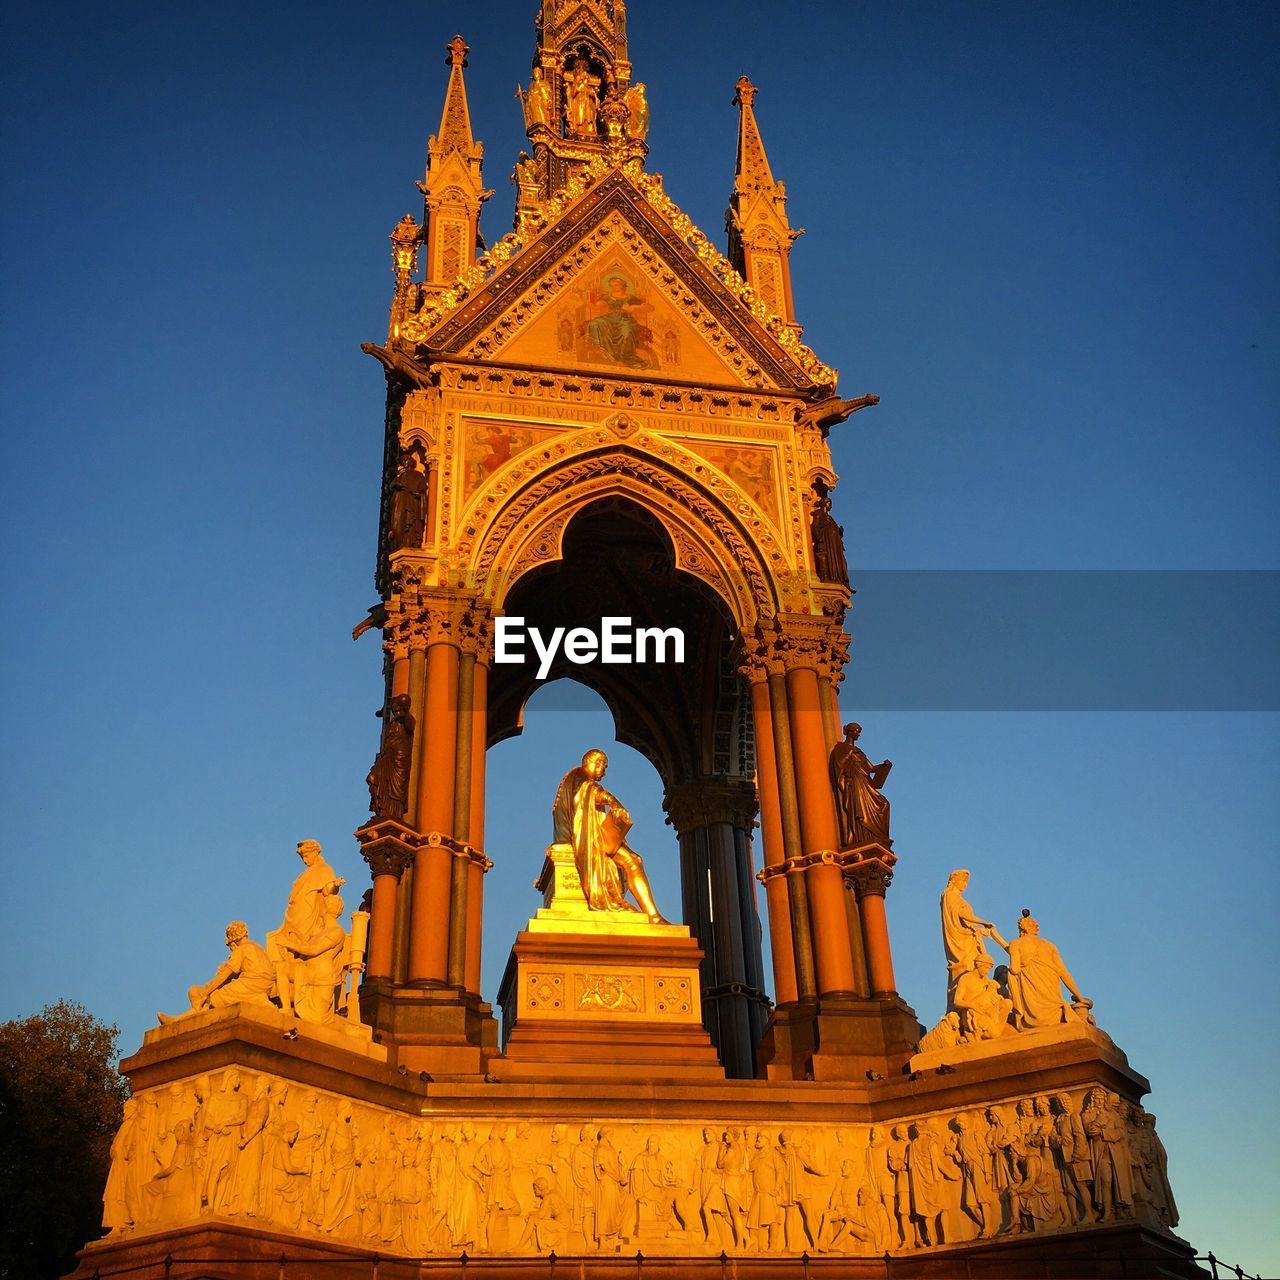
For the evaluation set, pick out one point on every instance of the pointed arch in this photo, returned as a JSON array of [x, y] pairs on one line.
[[710, 539]]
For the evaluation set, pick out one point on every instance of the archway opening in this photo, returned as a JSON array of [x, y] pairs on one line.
[[690, 720]]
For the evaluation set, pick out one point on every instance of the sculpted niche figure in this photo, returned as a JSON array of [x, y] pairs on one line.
[[863, 811], [828, 543], [582, 98], [590, 821], [246, 976], [407, 525], [389, 778], [536, 100]]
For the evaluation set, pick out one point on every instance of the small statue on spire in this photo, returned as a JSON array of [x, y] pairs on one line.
[[582, 98], [637, 112], [536, 101]]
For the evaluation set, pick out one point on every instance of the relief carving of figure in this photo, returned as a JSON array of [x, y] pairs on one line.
[[224, 1118], [338, 1176], [829, 561], [930, 1169], [246, 976], [736, 1181], [246, 1177], [609, 1209], [582, 99], [795, 1193], [1104, 1125], [547, 1227], [1153, 1159], [978, 1199], [1075, 1166], [592, 822], [389, 778], [898, 1159], [862, 810], [122, 1200]]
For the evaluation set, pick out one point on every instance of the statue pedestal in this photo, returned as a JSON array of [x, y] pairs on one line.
[[597, 993]]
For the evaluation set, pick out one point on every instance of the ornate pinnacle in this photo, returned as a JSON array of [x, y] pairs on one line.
[[456, 52], [745, 93]]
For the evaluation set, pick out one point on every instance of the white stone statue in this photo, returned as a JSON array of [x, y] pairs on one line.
[[1036, 978], [246, 976], [963, 931], [306, 933]]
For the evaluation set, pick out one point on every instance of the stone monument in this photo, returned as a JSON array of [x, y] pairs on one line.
[[603, 415]]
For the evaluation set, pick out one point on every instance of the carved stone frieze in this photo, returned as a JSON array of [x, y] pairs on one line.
[[237, 1146]]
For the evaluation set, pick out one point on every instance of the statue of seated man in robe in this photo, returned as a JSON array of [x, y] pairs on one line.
[[590, 821], [246, 976]]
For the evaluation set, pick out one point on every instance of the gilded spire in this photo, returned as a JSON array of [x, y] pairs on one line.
[[454, 184], [753, 172], [760, 235], [455, 121]]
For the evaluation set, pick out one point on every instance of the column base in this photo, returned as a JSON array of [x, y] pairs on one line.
[[839, 1037], [433, 1028]]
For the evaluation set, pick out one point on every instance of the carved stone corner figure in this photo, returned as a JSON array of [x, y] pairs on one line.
[[582, 99], [637, 112], [307, 931], [594, 824], [829, 561], [862, 810], [1036, 978], [389, 778], [246, 976], [536, 101], [407, 523]]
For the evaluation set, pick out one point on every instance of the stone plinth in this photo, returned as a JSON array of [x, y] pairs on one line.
[[587, 993]]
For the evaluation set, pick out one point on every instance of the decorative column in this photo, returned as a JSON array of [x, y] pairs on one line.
[[797, 889], [818, 829], [713, 817], [388, 848], [773, 876], [477, 865], [871, 879], [432, 875]]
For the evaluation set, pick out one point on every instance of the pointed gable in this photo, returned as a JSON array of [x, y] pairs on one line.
[[619, 281]]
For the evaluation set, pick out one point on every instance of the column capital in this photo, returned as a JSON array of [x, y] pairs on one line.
[[388, 847], [706, 800], [869, 879], [793, 641]]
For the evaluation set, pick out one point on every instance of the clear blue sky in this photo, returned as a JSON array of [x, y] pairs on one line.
[[1045, 234]]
